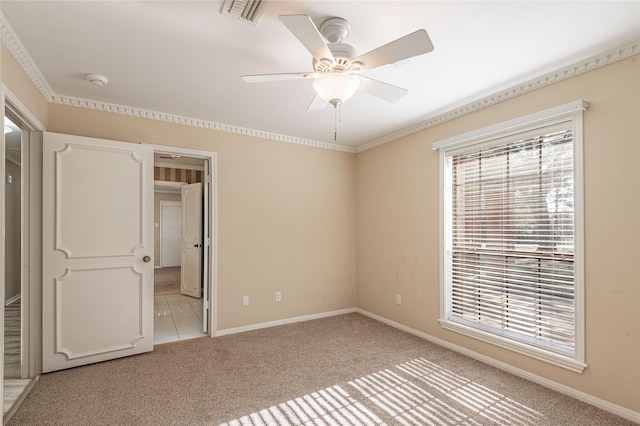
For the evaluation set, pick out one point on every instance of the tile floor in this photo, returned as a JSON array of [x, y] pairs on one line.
[[177, 317]]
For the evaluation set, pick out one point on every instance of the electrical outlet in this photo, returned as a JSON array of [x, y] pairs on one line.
[[398, 299], [245, 300], [278, 296]]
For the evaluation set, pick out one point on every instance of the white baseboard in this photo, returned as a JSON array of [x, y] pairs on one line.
[[631, 415], [235, 330]]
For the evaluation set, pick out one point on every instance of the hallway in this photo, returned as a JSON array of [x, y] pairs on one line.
[[176, 316]]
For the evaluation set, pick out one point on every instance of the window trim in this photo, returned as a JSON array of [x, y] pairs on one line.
[[572, 111]]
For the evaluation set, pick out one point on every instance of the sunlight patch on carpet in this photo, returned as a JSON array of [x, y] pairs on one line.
[[406, 402], [329, 407], [445, 398], [414, 393]]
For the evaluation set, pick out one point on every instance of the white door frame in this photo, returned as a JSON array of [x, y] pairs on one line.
[[210, 264], [162, 220], [31, 234]]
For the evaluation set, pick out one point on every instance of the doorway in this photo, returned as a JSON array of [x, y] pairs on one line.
[[180, 283], [98, 248], [21, 277], [13, 250]]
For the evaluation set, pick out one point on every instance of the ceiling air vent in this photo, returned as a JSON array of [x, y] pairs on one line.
[[246, 10]]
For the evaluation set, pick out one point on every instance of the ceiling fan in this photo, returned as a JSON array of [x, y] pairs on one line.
[[337, 70]]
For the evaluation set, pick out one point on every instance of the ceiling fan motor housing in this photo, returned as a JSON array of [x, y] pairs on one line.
[[342, 53], [336, 30]]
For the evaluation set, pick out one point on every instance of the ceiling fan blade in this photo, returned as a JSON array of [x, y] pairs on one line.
[[306, 32], [317, 104], [382, 90], [259, 78], [411, 45]]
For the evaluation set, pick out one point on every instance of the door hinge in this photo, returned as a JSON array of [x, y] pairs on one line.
[[206, 305]]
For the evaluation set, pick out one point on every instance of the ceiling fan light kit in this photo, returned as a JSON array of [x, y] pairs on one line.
[[336, 68], [336, 87]]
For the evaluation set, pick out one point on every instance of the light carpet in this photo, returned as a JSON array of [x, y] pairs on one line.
[[343, 370]]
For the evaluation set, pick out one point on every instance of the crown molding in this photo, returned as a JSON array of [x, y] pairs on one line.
[[193, 122], [574, 70], [20, 53]]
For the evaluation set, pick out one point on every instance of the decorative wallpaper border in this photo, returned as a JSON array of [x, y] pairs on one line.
[[20, 53]]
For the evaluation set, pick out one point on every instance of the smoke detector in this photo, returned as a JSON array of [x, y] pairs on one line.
[[97, 79]]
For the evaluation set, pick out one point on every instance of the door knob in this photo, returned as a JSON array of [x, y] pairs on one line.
[[146, 259]]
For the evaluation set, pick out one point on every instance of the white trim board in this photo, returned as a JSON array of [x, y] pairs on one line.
[[285, 321], [20, 53], [514, 126], [28, 117], [618, 410]]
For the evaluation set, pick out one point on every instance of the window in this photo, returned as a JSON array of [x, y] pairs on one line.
[[512, 235]]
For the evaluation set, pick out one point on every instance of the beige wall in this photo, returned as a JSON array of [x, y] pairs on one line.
[[286, 215], [287, 220], [398, 229]]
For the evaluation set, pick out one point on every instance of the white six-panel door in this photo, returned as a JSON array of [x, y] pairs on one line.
[[97, 289]]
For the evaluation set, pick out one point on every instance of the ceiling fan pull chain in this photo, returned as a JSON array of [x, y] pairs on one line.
[[337, 106], [335, 121], [335, 126]]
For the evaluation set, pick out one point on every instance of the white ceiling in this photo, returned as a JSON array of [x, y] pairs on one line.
[[186, 58]]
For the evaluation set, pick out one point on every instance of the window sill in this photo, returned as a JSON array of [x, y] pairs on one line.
[[521, 348]]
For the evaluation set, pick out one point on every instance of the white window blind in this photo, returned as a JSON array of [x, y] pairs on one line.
[[510, 237]]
